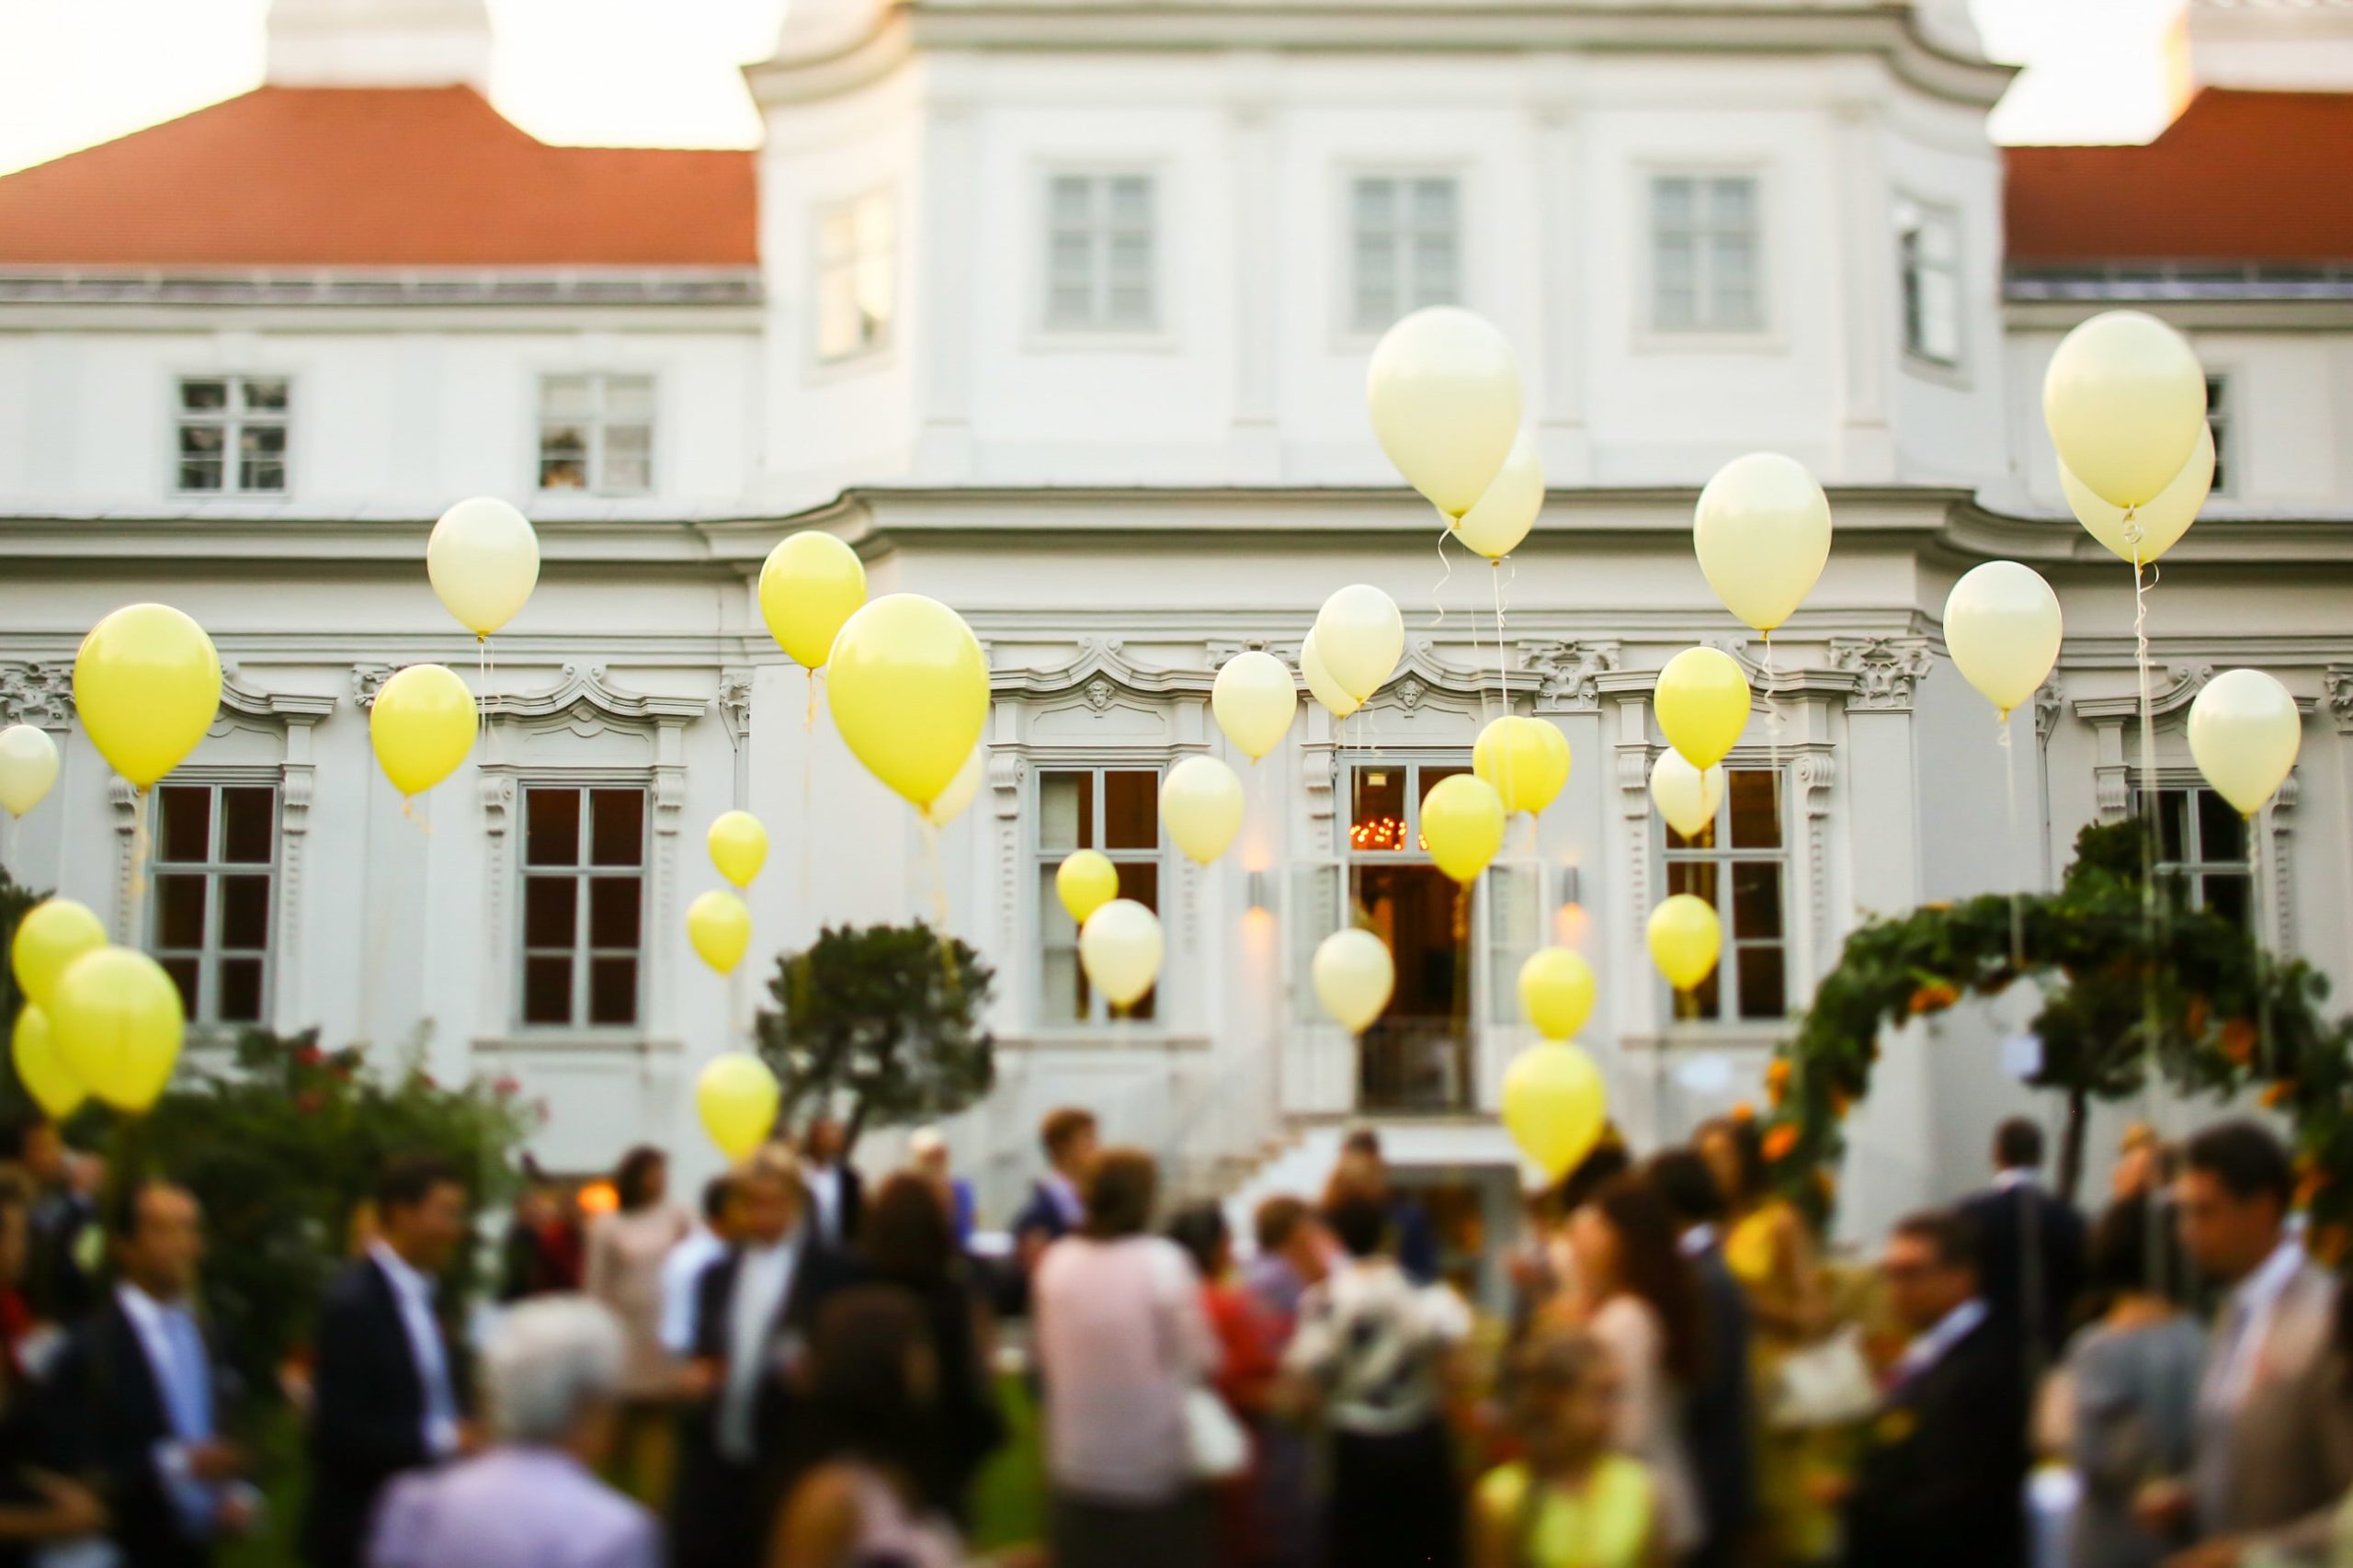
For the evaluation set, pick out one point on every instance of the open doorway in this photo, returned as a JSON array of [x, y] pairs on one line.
[[1417, 1055]]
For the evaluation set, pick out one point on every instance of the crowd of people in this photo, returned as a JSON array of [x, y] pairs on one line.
[[805, 1373]]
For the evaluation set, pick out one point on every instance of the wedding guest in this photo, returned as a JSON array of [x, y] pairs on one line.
[[60, 1285], [554, 1371], [541, 1253], [1056, 1207], [836, 1192], [1248, 1364], [2030, 1244], [682, 1269], [1363, 1168], [1294, 1252], [927, 1153], [38, 1508], [1719, 1424], [627, 1250], [1573, 1499]]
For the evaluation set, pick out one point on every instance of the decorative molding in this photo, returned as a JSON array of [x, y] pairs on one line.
[[1319, 776], [1568, 673], [2183, 684], [735, 705], [38, 694], [1100, 672], [132, 856], [1222, 651], [2282, 816], [2049, 702], [367, 680], [2337, 680], [1816, 773], [585, 693], [1888, 670], [255, 702], [1008, 771]]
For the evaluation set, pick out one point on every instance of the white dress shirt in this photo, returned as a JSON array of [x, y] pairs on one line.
[[413, 1293], [763, 1284], [825, 1184], [1933, 1346], [196, 1502], [682, 1274], [2247, 1318]]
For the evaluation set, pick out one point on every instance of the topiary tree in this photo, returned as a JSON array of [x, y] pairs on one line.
[[882, 1019], [2188, 994]]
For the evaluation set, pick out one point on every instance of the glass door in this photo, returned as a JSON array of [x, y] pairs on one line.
[[1417, 1056]]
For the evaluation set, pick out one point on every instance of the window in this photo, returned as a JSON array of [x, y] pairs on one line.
[[2202, 851], [1116, 811], [857, 276], [584, 906], [596, 433], [1738, 864], [1928, 242], [1405, 240], [1100, 269], [232, 435], [1417, 1054], [208, 919], [1706, 253], [2218, 420]]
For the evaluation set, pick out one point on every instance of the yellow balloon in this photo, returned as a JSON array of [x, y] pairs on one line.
[[422, 726], [1119, 947], [1555, 1106], [959, 792], [1443, 390], [2245, 731], [2003, 628], [53, 933], [1685, 937], [1702, 701], [1526, 759], [1762, 532], [42, 1071], [1320, 684], [147, 684], [117, 1019], [910, 693], [1254, 701], [1685, 796], [1462, 822], [28, 768], [2161, 522], [1200, 805], [1556, 992], [1360, 635], [1354, 975], [720, 928], [1086, 881], [483, 561], [738, 844], [737, 1097], [1496, 526], [2124, 399], [810, 584]]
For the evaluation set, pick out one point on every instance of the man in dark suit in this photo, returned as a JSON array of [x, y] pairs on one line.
[[388, 1388], [1943, 1471], [1069, 1139], [754, 1311], [2031, 1245], [137, 1398], [1719, 1428], [836, 1195]]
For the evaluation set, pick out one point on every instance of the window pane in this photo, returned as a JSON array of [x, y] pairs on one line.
[[1070, 305], [1130, 809], [179, 911], [1131, 201], [2171, 807], [1434, 204], [552, 827], [613, 905], [1697, 878], [1756, 899], [1066, 811], [1128, 305], [266, 396], [2230, 896], [628, 397], [567, 396], [244, 913], [1732, 202], [247, 814], [1764, 982], [1139, 880], [547, 990], [837, 325], [200, 397], [1061, 997], [1707, 998], [1375, 204], [550, 907], [200, 475], [262, 440], [261, 473], [183, 973], [183, 825], [1072, 200], [206, 441], [618, 826], [1056, 927], [2221, 832], [564, 458], [1671, 201], [625, 474], [240, 984], [612, 991], [1755, 811], [1377, 814]]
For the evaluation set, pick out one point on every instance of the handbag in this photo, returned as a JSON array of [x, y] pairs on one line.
[[1216, 1448], [1824, 1385]]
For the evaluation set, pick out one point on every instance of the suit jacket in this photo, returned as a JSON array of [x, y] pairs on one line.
[[1943, 1471], [853, 1211], [1041, 1214], [1719, 1424], [108, 1416], [368, 1420], [2030, 1262], [2275, 1457]]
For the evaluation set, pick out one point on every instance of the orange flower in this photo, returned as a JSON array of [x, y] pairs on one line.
[[2238, 1040], [1933, 998], [1777, 1080], [1840, 1104], [2276, 1095], [2196, 1016], [2312, 1184], [1744, 1112], [1781, 1141]]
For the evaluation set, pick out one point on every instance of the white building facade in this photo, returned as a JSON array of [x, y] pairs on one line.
[[1060, 315]]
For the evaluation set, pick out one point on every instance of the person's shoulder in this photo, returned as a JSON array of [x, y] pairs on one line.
[[353, 1286]]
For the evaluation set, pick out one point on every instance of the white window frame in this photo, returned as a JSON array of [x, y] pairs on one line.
[[1703, 333], [2196, 866], [596, 424], [206, 1012], [1915, 218], [1096, 329], [1406, 291], [582, 952], [2225, 388], [1046, 858], [1726, 855], [232, 420], [851, 270]]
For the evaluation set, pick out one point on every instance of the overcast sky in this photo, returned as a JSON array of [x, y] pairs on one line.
[[75, 72]]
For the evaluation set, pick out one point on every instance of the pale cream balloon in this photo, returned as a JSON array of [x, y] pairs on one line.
[[1354, 975], [1443, 390], [483, 561], [28, 768], [2159, 523], [1685, 796], [1360, 636], [1119, 947], [2003, 627], [1762, 532], [1320, 684], [1496, 526], [2244, 731], [2124, 399], [1254, 700], [959, 792], [1201, 807]]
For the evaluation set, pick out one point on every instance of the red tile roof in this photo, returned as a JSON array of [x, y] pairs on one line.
[[2242, 177], [375, 177]]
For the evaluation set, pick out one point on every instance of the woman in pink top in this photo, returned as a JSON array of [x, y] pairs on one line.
[[626, 1249], [1122, 1340]]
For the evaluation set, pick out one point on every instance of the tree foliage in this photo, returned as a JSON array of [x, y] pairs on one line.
[[14, 902], [884, 1020]]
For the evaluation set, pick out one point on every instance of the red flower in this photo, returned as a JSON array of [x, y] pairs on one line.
[[308, 1056], [507, 1088], [309, 1101]]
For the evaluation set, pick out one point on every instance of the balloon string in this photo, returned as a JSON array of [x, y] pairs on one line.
[[1503, 661], [2258, 852], [481, 683], [1772, 736], [808, 779], [1446, 568], [2146, 791], [2010, 813], [143, 844]]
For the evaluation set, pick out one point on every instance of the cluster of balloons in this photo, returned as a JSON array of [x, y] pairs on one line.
[[96, 1020], [719, 924], [1555, 1103], [1119, 939]]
